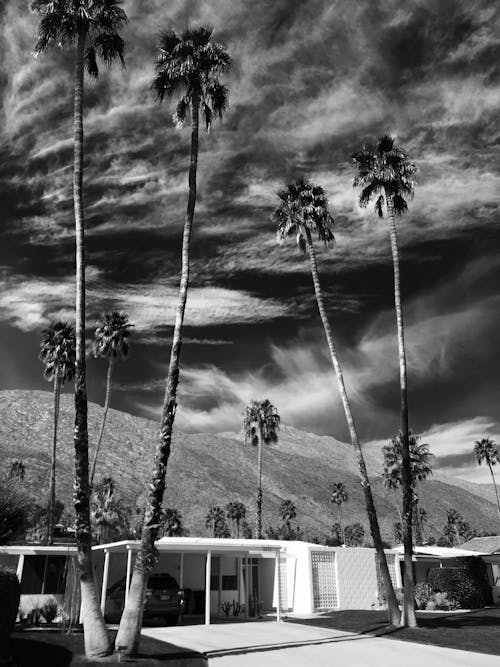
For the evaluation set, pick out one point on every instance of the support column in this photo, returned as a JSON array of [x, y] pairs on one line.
[[278, 586], [238, 578], [181, 572], [20, 566], [247, 585], [208, 572], [104, 581], [219, 592], [129, 571]]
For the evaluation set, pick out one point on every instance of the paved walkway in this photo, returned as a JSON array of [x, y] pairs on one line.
[[295, 645]]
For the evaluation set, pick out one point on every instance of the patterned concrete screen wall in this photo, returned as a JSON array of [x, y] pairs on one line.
[[357, 578], [324, 580]]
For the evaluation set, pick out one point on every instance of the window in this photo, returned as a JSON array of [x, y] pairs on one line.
[[43, 574]]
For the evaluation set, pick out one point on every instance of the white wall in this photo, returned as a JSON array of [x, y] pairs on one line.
[[357, 578]]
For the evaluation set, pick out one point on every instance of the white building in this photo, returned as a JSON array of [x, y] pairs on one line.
[[267, 576]]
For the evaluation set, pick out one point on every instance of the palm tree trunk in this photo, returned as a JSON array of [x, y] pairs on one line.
[[129, 631], [105, 414], [342, 527], [398, 508], [494, 486], [259, 490], [96, 638], [392, 602], [408, 618], [52, 483]]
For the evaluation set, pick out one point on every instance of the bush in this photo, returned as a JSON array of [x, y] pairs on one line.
[[49, 610], [14, 510], [10, 595], [423, 593], [466, 585]]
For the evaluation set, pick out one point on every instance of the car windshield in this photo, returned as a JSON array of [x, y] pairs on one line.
[[162, 582]]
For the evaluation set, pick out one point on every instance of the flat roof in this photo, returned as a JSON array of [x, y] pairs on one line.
[[440, 552], [36, 549], [200, 545]]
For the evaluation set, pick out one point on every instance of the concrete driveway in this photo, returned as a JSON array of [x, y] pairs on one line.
[[294, 645]]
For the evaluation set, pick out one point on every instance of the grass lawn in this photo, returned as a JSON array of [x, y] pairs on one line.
[[468, 631], [51, 648]]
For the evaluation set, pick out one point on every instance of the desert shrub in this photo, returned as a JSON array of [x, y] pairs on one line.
[[423, 593], [466, 585], [34, 615], [49, 610], [14, 511], [10, 595]]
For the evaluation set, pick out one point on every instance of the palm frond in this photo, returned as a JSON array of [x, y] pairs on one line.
[[188, 65], [181, 111], [110, 47], [91, 62], [379, 206]]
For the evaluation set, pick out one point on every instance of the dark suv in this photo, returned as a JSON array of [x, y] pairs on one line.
[[163, 599]]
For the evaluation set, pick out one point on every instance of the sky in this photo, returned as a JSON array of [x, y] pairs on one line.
[[311, 83]]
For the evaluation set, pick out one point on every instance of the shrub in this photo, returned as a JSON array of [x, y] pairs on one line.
[[14, 510], [10, 595], [466, 585], [49, 610], [423, 593]]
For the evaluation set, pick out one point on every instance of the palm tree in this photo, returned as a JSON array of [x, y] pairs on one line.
[[302, 212], [288, 513], [188, 65], [486, 450], [385, 174], [215, 520], [339, 496], [236, 512], [261, 423], [57, 353], [90, 26], [420, 467], [17, 470], [354, 535], [108, 513], [111, 341], [172, 522]]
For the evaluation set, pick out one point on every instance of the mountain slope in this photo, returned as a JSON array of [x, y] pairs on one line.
[[207, 469]]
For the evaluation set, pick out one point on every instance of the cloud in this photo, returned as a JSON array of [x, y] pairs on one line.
[[29, 303]]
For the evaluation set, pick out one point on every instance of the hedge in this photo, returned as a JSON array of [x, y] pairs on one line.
[[468, 584], [10, 595]]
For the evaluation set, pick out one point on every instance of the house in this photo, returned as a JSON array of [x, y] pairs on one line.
[[268, 576]]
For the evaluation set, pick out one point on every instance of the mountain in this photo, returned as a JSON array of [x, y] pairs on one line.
[[206, 469]]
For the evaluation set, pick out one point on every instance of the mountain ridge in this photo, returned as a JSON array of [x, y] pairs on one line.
[[207, 469]]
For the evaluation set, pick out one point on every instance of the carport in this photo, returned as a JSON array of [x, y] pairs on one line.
[[222, 571]]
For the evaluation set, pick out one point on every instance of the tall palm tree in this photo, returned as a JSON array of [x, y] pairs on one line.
[[236, 512], [172, 522], [57, 352], [215, 520], [486, 450], [90, 27], [111, 341], [261, 423], [338, 497], [188, 66], [302, 212], [288, 512], [420, 467], [386, 175]]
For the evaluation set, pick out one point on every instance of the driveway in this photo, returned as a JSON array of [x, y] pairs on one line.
[[296, 645]]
